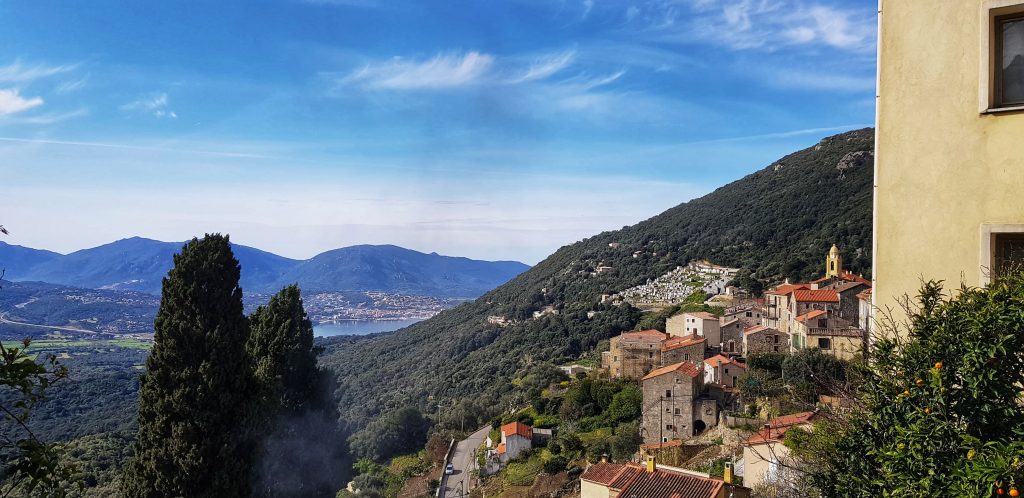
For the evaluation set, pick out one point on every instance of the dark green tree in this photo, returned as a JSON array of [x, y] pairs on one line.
[[196, 393], [281, 351], [301, 447]]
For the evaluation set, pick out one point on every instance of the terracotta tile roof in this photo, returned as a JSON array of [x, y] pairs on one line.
[[782, 290], [845, 286], [515, 428], [817, 296], [761, 328], [810, 315], [668, 484], [684, 367], [778, 427], [651, 334], [626, 476], [704, 315], [602, 473], [681, 342], [854, 278], [501, 448], [719, 360]]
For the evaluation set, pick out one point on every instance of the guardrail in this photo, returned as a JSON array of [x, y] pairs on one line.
[[444, 475]]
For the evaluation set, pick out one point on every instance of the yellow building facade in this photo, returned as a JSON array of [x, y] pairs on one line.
[[949, 165]]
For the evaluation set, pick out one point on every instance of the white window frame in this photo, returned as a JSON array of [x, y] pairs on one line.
[[986, 257], [990, 9]]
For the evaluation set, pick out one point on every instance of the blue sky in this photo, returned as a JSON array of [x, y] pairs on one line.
[[490, 129]]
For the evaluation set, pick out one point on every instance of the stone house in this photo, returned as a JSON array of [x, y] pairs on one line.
[[828, 332], [633, 354], [670, 402], [750, 315], [777, 305], [723, 371], [761, 339], [699, 323], [689, 348], [732, 335]]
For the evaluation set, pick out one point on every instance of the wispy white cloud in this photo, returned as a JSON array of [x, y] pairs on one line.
[[588, 5], [442, 71], [12, 102], [762, 24], [45, 119], [71, 85], [18, 72], [156, 106], [546, 66]]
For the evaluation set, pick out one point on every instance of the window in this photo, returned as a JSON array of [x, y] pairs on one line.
[[686, 357], [1008, 251], [668, 427], [824, 343], [823, 323], [677, 411], [668, 393], [1002, 249], [650, 355], [776, 339], [1009, 61]]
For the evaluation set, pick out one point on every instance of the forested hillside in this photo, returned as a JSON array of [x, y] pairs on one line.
[[775, 223]]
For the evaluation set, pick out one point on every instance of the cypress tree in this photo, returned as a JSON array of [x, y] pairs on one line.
[[301, 449], [194, 396], [281, 349]]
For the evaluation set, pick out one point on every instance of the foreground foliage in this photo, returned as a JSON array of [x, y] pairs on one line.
[[942, 413]]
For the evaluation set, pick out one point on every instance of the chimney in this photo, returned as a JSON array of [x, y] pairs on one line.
[[604, 458], [651, 466], [768, 430], [727, 474]]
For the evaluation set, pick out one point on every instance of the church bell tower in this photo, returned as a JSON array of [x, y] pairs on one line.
[[834, 263]]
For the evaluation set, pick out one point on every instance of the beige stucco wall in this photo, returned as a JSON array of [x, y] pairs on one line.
[[757, 461], [943, 169], [593, 490]]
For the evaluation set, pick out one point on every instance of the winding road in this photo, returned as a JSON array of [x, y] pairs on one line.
[[459, 484]]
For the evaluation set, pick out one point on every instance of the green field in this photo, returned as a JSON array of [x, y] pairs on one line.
[[58, 345]]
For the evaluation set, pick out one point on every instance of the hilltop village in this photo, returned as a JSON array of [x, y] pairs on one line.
[[700, 426]]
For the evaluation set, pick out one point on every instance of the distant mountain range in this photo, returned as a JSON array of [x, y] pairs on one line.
[[139, 264]]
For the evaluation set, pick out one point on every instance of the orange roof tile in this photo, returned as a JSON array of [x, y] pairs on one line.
[[666, 484], [810, 315], [501, 448], [817, 296], [719, 360], [684, 367], [782, 290], [645, 334], [516, 428], [602, 473], [777, 428], [704, 315], [681, 342]]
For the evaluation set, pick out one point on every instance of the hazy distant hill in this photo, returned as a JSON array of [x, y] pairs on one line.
[[140, 264], [17, 261], [398, 270], [775, 223]]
